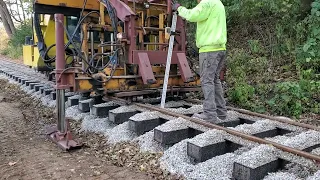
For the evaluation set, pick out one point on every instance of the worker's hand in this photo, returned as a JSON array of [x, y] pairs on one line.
[[175, 6]]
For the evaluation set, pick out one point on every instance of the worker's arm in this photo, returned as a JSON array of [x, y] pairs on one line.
[[200, 13]]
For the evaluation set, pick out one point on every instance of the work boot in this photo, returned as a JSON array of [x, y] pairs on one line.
[[205, 117]]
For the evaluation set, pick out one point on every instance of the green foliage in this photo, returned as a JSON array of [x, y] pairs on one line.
[[273, 55], [18, 37], [295, 98], [287, 99], [242, 11], [14, 49], [311, 90], [12, 52], [256, 47], [242, 93], [308, 57]]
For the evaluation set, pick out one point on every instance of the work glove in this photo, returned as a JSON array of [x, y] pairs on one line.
[[175, 6]]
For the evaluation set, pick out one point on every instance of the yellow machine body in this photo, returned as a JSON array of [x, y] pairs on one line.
[[121, 81], [31, 56]]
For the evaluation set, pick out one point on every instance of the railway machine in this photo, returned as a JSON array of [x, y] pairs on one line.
[[118, 47], [107, 47]]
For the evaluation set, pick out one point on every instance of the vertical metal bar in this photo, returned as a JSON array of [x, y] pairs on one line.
[[85, 45], [161, 25], [141, 31], [132, 37], [102, 22], [134, 6], [112, 41], [60, 56], [169, 12], [169, 6], [60, 65], [166, 77], [92, 45], [61, 110]]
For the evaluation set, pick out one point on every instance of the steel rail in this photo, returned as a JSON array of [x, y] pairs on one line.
[[233, 132], [292, 122], [230, 131]]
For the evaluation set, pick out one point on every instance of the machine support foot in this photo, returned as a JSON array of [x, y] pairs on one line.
[[60, 133], [64, 140]]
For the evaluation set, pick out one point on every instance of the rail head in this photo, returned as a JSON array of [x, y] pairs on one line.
[[298, 152]]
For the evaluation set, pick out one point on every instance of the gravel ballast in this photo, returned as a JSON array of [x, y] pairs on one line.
[[301, 141], [258, 126], [145, 116], [281, 176], [148, 144], [257, 156], [173, 125], [74, 113], [209, 137], [316, 176], [120, 133], [175, 158], [94, 124], [123, 109]]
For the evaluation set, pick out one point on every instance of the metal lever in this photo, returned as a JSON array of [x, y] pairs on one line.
[[169, 57]]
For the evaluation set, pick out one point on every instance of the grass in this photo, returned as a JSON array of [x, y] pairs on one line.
[[7, 48], [3, 39]]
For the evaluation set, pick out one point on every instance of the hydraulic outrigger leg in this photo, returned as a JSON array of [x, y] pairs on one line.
[[60, 133]]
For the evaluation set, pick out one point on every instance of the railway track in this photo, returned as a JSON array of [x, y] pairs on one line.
[[243, 147]]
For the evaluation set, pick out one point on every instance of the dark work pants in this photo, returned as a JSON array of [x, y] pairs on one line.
[[211, 63]]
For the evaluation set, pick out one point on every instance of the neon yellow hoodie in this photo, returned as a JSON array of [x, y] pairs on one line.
[[210, 17]]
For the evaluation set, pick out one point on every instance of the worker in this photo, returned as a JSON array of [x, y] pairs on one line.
[[211, 39]]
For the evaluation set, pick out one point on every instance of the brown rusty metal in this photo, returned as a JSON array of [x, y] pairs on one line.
[[118, 100], [235, 133], [63, 140], [61, 79], [155, 44], [150, 28], [184, 68], [291, 122], [60, 132], [146, 58], [153, 91], [156, 57], [104, 45], [145, 69], [134, 93], [157, 4], [131, 31], [122, 9], [169, 7]]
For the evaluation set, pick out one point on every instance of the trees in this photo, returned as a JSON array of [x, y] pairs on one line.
[[6, 19], [14, 11]]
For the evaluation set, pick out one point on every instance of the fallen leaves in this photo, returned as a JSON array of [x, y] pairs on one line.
[[122, 154], [12, 163]]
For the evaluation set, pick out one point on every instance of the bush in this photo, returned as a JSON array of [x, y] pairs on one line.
[[22, 31], [287, 99], [308, 57], [273, 55], [242, 93], [3, 39], [12, 52], [14, 47]]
